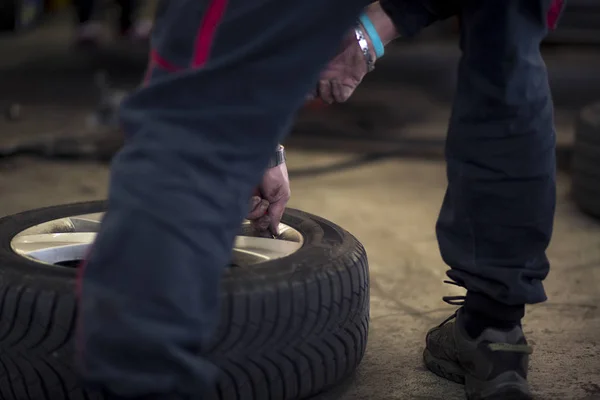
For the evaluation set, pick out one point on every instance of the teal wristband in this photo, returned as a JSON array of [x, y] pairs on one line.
[[365, 21]]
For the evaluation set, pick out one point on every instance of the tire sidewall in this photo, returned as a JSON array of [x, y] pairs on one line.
[[322, 240]]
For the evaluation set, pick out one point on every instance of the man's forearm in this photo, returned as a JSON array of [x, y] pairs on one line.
[[383, 23]]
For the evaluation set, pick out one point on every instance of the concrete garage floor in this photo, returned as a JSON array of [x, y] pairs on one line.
[[391, 206]]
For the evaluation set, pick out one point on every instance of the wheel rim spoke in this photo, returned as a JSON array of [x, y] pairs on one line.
[[69, 239], [54, 248], [264, 248]]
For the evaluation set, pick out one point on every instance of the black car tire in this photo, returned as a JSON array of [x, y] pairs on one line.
[[301, 320], [586, 161]]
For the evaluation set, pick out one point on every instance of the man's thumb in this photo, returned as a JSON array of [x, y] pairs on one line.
[[276, 213]]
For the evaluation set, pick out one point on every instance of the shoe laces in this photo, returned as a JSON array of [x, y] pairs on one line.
[[503, 347], [454, 300]]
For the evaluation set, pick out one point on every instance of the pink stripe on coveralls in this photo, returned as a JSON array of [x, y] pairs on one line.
[[156, 60], [206, 34], [202, 44], [554, 13]]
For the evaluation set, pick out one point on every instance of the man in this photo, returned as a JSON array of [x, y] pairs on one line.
[[201, 131]]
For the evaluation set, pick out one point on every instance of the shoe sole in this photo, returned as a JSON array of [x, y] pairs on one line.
[[453, 372], [443, 368], [507, 395]]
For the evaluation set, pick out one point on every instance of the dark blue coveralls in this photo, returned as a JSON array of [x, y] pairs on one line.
[[225, 79]]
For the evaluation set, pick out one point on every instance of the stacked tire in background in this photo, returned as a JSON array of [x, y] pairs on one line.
[[586, 161]]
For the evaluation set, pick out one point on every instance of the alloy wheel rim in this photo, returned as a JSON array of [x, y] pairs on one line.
[[65, 242]]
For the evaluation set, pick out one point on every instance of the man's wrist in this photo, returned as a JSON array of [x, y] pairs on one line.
[[370, 30], [382, 22], [366, 47], [278, 157]]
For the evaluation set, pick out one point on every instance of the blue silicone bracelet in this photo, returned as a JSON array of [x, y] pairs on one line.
[[372, 32]]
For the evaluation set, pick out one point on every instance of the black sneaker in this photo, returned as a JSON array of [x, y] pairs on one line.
[[492, 366]]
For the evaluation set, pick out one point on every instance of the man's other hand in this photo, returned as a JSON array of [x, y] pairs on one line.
[[344, 73]]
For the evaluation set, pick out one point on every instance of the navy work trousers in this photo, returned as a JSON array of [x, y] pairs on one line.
[[497, 215], [224, 81]]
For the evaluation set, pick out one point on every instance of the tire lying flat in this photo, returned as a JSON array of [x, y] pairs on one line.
[[586, 161], [290, 327]]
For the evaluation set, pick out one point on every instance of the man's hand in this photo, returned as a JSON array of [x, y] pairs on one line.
[[269, 200], [347, 69], [344, 73]]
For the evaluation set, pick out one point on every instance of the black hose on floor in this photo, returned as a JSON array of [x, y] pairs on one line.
[[357, 162], [82, 149], [429, 150]]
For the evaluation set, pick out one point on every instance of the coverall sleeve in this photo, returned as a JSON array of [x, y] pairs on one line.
[[411, 16]]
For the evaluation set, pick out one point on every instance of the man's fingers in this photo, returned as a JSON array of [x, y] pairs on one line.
[[276, 213], [347, 92], [341, 92], [258, 208], [325, 91], [262, 224], [336, 89]]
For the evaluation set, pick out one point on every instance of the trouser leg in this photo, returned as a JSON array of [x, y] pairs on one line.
[[497, 215], [198, 140]]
